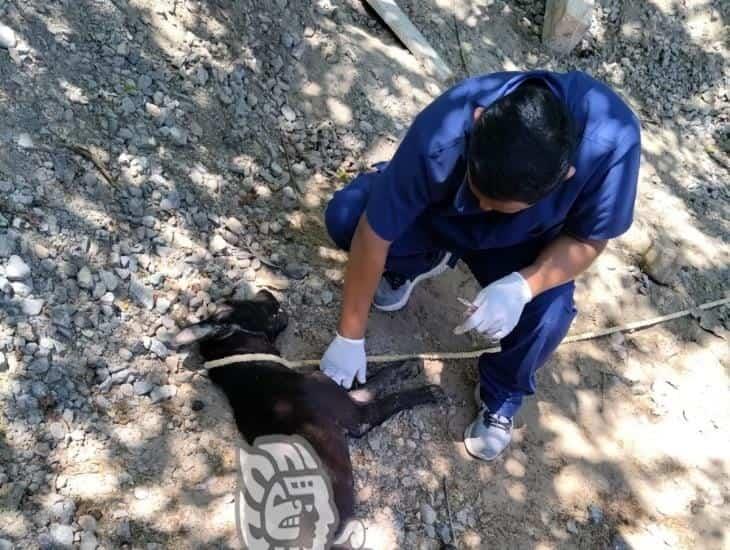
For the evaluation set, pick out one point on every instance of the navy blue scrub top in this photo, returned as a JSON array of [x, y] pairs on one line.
[[425, 182]]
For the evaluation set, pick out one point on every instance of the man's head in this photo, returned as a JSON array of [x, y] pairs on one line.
[[520, 149]]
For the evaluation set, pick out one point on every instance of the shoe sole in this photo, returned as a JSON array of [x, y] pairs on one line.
[[442, 266]]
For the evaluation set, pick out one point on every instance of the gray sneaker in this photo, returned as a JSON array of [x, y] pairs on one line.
[[394, 290], [488, 436]]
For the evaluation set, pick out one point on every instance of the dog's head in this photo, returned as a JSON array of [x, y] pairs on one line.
[[242, 326]]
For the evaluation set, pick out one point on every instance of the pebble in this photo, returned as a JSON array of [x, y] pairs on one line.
[[141, 293], [178, 135], [217, 244], [5, 544], [7, 37], [162, 393], [288, 113], [7, 245], [162, 305], [595, 513], [84, 278], [428, 514], [17, 269], [63, 510], [142, 387], [572, 527], [235, 226], [57, 430], [62, 536], [110, 280], [88, 541], [32, 306], [158, 348], [87, 523]]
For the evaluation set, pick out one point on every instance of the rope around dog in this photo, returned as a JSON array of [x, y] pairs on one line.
[[459, 355]]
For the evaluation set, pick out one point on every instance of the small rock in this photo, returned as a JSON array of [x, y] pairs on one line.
[[32, 306], [110, 280], [162, 305], [197, 405], [142, 387], [428, 514], [162, 393], [84, 278], [572, 527], [25, 141], [178, 136], [142, 294], [87, 523], [63, 510], [595, 513], [158, 348], [234, 225], [7, 37], [57, 430], [128, 106], [5, 544], [17, 269], [8, 245], [217, 244], [62, 536], [88, 541], [288, 113], [124, 530]]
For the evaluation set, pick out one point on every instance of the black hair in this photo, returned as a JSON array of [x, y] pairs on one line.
[[521, 146]]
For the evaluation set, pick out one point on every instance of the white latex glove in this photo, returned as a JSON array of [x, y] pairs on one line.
[[498, 307], [343, 360]]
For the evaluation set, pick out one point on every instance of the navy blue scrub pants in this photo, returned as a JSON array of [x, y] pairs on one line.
[[505, 377]]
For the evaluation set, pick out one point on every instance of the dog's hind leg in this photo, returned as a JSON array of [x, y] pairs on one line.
[[385, 378], [376, 411]]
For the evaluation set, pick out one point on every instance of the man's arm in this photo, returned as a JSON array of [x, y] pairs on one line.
[[364, 268], [561, 261], [498, 307]]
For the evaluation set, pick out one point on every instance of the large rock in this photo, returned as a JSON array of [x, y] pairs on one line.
[[566, 21]]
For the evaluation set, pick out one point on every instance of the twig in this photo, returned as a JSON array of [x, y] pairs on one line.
[[93, 159], [448, 511], [83, 152]]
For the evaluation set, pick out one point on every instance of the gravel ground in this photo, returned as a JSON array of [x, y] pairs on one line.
[[160, 157]]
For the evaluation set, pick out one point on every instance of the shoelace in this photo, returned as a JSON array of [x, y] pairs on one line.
[[497, 420]]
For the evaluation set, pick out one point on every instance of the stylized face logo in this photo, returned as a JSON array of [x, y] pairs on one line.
[[285, 499]]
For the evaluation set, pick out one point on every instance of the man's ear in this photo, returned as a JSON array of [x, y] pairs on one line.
[[477, 113], [570, 174]]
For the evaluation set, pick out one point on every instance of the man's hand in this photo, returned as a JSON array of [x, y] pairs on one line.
[[343, 360], [498, 307]]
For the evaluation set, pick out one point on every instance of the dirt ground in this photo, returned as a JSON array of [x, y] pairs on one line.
[[225, 125]]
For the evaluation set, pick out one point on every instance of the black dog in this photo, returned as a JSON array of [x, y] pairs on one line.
[[268, 398]]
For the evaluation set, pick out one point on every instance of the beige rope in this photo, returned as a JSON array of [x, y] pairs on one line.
[[459, 355]]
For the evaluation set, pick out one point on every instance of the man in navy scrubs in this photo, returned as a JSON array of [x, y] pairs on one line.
[[524, 176]]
